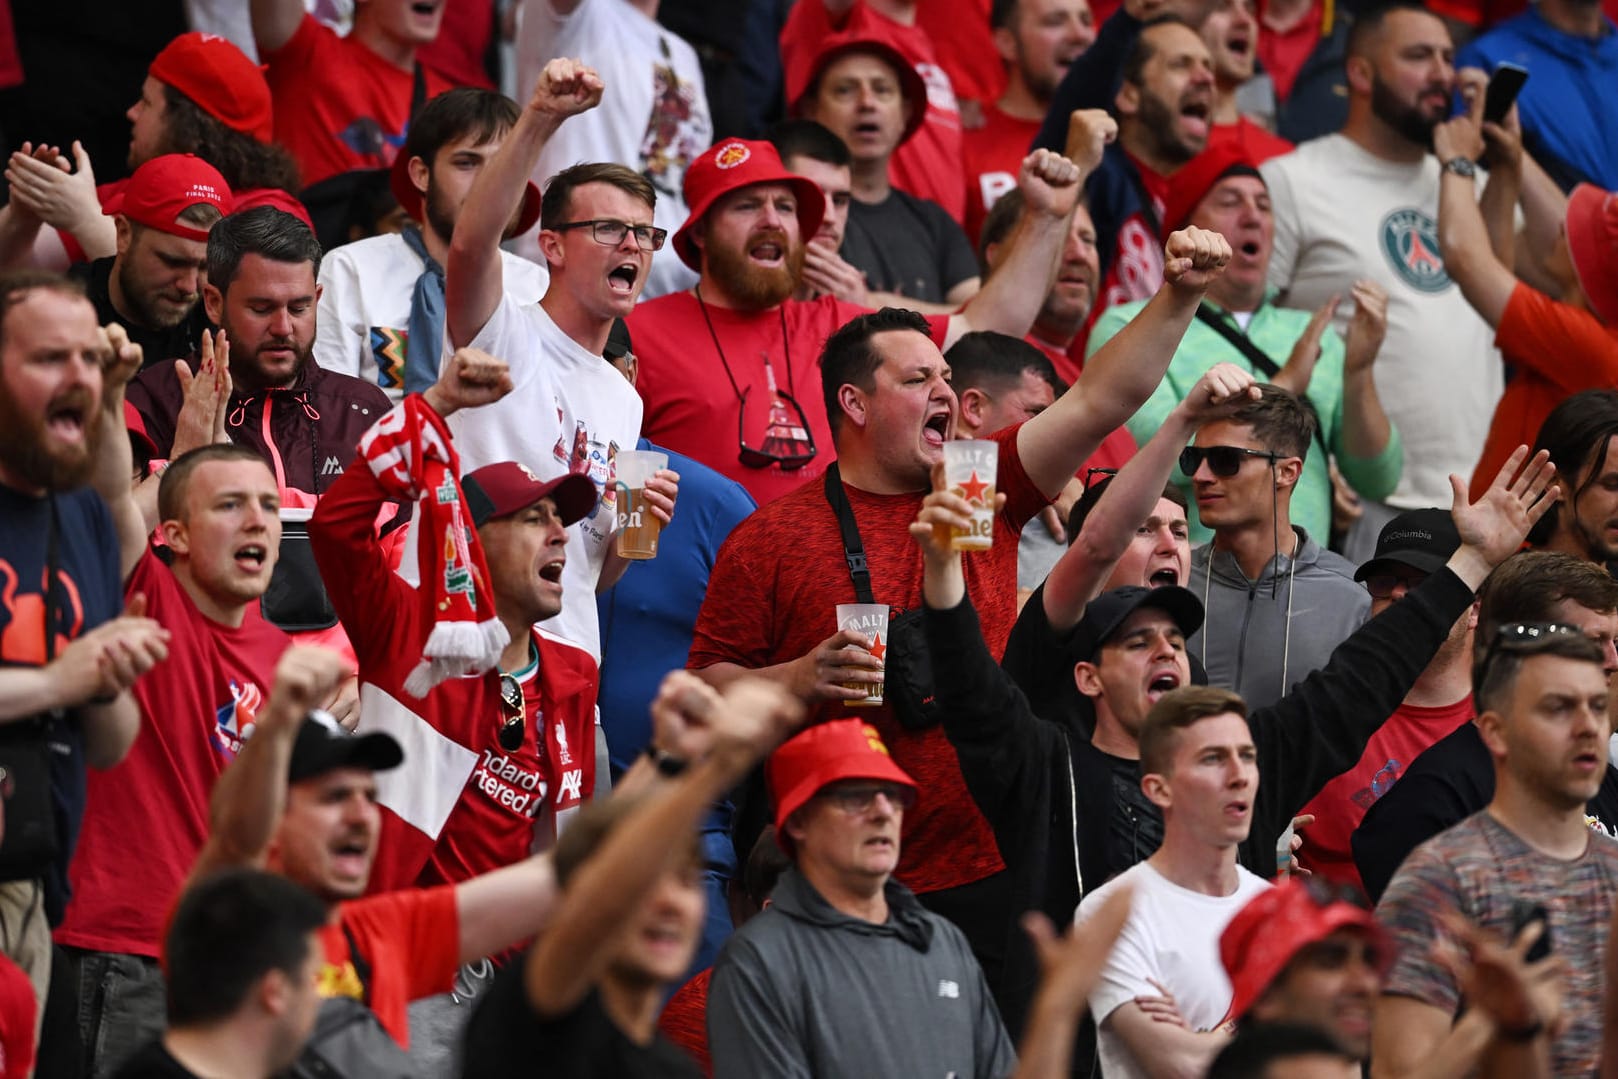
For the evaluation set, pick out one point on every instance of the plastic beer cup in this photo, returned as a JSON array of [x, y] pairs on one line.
[[870, 619], [638, 527], [969, 471]]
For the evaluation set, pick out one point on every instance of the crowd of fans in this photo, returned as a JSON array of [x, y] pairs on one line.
[[488, 583]]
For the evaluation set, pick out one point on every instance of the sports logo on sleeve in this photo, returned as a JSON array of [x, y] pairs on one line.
[[1410, 241]]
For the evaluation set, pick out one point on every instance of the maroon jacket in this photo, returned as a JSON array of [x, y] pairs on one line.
[[307, 432]]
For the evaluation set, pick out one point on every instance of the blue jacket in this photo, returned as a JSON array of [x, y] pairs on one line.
[[1568, 120]]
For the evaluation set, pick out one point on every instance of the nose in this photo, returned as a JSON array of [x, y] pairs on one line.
[[886, 806], [188, 279], [281, 324], [1203, 474], [1401, 588], [1609, 655]]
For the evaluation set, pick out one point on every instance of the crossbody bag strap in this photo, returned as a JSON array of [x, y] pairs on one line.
[[1257, 357], [853, 549], [362, 969]]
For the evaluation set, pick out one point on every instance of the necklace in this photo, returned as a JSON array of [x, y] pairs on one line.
[[786, 345]]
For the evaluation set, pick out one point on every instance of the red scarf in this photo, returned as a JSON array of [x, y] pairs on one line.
[[410, 454]]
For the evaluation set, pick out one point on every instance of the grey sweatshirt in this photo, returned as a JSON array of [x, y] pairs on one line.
[[804, 991], [1247, 641]]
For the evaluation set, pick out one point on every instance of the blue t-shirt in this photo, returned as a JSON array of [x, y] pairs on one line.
[[89, 593], [1568, 121]]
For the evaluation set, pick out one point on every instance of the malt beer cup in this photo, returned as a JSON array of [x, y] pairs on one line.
[[870, 619], [969, 471], [637, 525]]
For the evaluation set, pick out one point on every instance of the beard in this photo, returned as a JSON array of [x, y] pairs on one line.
[[440, 218], [756, 288], [1159, 119], [146, 313], [24, 449], [1408, 120]]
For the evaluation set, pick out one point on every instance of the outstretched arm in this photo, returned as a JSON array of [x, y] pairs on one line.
[[1123, 373], [473, 281], [1463, 235], [113, 478]]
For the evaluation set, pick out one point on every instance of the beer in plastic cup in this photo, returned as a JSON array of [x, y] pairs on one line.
[[969, 471], [870, 619], [637, 525]]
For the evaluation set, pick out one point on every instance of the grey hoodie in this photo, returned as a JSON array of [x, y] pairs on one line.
[[1246, 641], [804, 991]]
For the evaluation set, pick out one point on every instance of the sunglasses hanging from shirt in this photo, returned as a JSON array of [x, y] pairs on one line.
[[787, 439]]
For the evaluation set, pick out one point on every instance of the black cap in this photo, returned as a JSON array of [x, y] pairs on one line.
[[618, 343], [1420, 539], [324, 746], [1104, 614]]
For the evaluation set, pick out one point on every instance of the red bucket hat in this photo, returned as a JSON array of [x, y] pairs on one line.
[[804, 70], [1275, 926], [841, 749], [1592, 243], [1197, 177], [410, 199], [221, 80], [163, 188], [738, 163]]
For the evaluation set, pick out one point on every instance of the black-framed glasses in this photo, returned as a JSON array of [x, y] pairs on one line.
[[611, 233], [1223, 461], [788, 441], [1381, 585], [1521, 638], [855, 798], [515, 707]]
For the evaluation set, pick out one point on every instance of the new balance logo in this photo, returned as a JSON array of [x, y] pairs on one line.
[[332, 467], [949, 989]]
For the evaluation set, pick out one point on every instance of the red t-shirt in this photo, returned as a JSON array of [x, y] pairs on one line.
[[965, 45], [438, 827], [685, 1019], [993, 154], [1259, 143], [928, 164], [772, 597], [462, 41], [17, 1011], [1283, 54], [338, 105], [692, 407], [410, 940], [146, 820], [1341, 804], [1556, 351]]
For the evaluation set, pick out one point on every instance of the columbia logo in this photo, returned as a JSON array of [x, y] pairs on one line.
[[947, 988], [332, 467]]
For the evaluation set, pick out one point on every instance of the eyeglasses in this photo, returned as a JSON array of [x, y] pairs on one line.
[[859, 798], [1381, 585], [788, 442], [611, 233], [1522, 639], [515, 706], [1223, 461]]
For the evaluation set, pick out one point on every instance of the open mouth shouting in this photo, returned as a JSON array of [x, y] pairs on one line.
[[351, 856], [251, 557], [1164, 577], [769, 248], [66, 417], [622, 277], [550, 571], [935, 432], [1196, 109], [1164, 681]]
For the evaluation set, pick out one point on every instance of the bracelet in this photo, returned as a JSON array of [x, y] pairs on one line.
[[666, 763], [1521, 1034]]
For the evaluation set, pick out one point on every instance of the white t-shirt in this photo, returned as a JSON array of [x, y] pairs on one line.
[[569, 411], [1342, 214], [1171, 937], [653, 117], [363, 318]]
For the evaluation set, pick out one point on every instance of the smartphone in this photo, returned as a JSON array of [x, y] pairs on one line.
[[1504, 85], [1524, 914]]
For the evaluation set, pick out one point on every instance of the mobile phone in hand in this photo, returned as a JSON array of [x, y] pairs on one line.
[[1504, 85], [1524, 914]]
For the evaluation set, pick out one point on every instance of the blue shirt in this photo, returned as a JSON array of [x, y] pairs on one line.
[[1568, 120]]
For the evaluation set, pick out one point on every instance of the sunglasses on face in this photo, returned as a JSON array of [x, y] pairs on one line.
[[1223, 461], [859, 798], [515, 707], [1382, 585]]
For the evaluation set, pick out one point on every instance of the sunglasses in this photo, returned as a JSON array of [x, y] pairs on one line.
[[788, 442], [515, 707], [1381, 585], [1521, 638], [1223, 461], [859, 798]]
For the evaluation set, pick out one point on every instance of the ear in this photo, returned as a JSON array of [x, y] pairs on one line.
[[420, 176], [851, 399], [1127, 100], [126, 235], [1087, 677], [1360, 74], [550, 245], [1472, 616], [793, 826], [275, 992], [213, 302], [1287, 471], [973, 402], [1492, 728], [1157, 789], [177, 536], [1005, 43]]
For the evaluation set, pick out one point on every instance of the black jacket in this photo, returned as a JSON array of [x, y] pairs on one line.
[[1049, 796]]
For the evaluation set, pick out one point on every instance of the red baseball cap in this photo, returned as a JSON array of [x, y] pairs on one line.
[[804, 70], [501, 489], [405, 193], [165, 187], [273, 196], [734, 164], [1275, 926], [1197, 177], [841, 749], [221, 80], [1592, 244], [139, 440]]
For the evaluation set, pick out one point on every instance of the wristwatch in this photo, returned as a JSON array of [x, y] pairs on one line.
[[1461, 166], [665, 762]]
